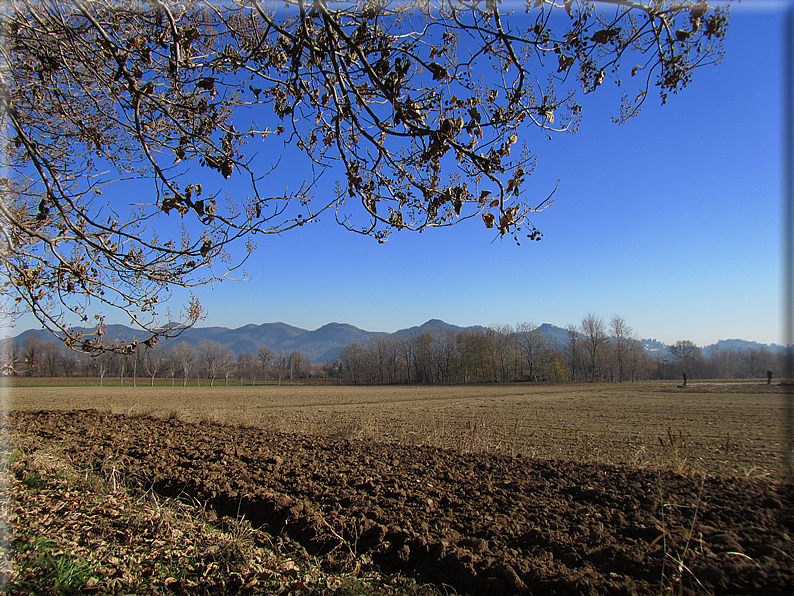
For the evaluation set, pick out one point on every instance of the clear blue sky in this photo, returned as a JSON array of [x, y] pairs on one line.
[[672, 221]]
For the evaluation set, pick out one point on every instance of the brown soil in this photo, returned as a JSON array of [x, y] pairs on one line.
[[721, 429], [480, 523]]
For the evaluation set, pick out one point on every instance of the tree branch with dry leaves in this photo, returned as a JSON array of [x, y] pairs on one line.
[[423, 112]]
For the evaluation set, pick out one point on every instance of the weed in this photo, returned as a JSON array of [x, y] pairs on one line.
[[640, 459], [34, 480], [674, 452], [229, 552], [674, 565], [351, 586], [351, 557], [67, 574], [217, 417], [234, 543], [756, 472]]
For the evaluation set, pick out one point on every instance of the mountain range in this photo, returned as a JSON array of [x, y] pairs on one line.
[[323, 344]]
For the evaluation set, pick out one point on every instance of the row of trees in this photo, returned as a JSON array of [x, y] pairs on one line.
[[499, 354], [593, 350], [716, 363], [181, 362]]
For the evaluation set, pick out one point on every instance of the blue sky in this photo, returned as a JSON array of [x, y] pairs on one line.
[[672, 221]]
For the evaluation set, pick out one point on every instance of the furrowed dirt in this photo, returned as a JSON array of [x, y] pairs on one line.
[[482, 523]]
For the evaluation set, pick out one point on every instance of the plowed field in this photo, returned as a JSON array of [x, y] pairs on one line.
[[541, 490]]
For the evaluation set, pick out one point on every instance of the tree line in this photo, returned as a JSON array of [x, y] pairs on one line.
[[593, 350], [209, 363]]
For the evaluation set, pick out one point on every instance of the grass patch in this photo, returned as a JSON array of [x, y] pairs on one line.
[[52, 567], [34, 480], [674, 455]]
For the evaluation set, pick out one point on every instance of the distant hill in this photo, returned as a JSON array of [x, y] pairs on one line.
[[556, 337], [320, 345], [741, 345], [430, 326], [659, 350], [323, 344], [655, 348]]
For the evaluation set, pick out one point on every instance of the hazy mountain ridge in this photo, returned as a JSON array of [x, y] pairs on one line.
[[659, 350], [323, 344], [742, 344], [433, 325]]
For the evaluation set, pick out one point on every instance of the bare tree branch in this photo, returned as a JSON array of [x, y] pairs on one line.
[[420, 111]]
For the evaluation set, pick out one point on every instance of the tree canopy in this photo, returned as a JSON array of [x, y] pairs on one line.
[[418, 110]]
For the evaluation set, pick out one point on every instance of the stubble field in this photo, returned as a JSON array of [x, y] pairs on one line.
[[536, 489], [713, 427]]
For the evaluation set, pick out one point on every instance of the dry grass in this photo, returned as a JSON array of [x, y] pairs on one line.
[[717, 428]]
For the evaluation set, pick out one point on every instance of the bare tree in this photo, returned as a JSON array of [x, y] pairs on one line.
[[423, 356], [227, 364], [33, 354], [281, 364], [351, 362], [51, 356], [759, 361], [595, 339], [445, 354], [123, 367], [11, 357], [503, 344], [69, 361], [135, 357], [266, 358], [554, 365], [689, 358], [382, 351], [407, 350], [297, 365], [103, 364], [474, 354], [185, 358], [246, 366], [621, 338], [532, 344], [573, 350], [640, 363], [153, 359], [333, 369], [211, 354], [169, 367], [499, 354], [399, 101]]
